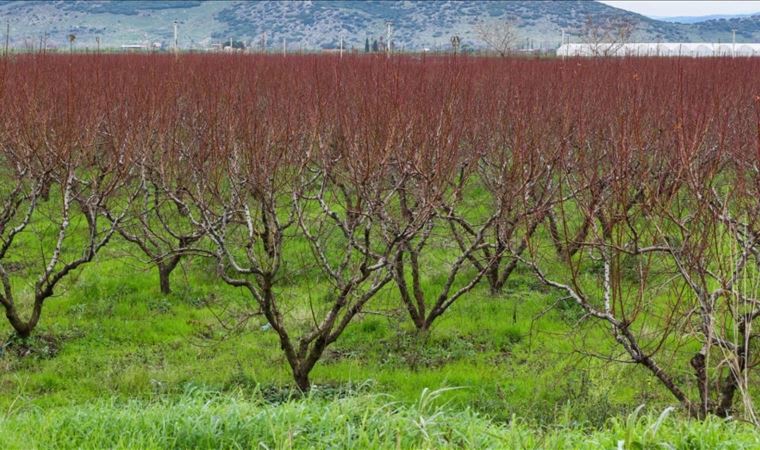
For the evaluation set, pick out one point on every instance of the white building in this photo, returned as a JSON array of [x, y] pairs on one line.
[[695, 49], [134, 47]]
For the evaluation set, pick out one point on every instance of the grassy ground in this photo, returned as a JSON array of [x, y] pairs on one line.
[[114, 363], [111, 333], [198, 419]]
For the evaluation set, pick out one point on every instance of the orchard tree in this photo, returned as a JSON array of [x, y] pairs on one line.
[[265, 182], [664, 264], [63, 164]]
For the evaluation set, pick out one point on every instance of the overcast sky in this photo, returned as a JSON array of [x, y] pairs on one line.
[[684, 8]]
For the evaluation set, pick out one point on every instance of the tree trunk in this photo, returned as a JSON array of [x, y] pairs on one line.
[[419, 322], [163, 277], [493, 280], [23, 328], [698, 362], [727, 395], [302, 381], [165, 270]]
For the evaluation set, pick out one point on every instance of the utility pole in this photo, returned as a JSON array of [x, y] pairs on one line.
[[97, 42], [733, 45], [341, 46], [284, 47], [388, 38], [176, 40], [264, 42], [7, 35]]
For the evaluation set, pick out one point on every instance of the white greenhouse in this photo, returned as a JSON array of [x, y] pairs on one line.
[[696, 49]]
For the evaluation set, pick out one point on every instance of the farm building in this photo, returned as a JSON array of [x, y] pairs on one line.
[[143, 46], [696, 49]]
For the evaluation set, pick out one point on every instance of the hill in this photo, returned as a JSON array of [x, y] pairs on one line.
[[698, 19], [319, 24]]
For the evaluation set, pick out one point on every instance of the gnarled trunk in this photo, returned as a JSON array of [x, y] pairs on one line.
[[165, 270], [23, 328]]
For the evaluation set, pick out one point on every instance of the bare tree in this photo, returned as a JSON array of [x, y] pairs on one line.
[[417, 257], [158, 223], [617, 232], [517, 170], [712, 238], [264, 187], [665, 263], [430, 172], [456, 42], [69, 188], [606, 37], [500, 36]]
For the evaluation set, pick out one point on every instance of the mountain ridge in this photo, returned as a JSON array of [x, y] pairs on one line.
[[699, 19]]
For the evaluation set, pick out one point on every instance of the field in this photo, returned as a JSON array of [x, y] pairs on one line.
[[229, 251]]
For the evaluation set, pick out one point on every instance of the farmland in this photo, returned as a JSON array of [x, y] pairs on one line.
[[321, 251]]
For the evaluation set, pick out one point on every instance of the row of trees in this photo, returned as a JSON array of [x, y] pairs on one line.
[[628, 186], [604, 36]]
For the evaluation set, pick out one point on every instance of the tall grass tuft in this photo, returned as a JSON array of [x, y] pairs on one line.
[[203, 419]]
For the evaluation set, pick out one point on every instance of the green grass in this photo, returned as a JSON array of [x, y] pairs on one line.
[[203, 419], [113, 333], [110, 333], [113, 362]]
